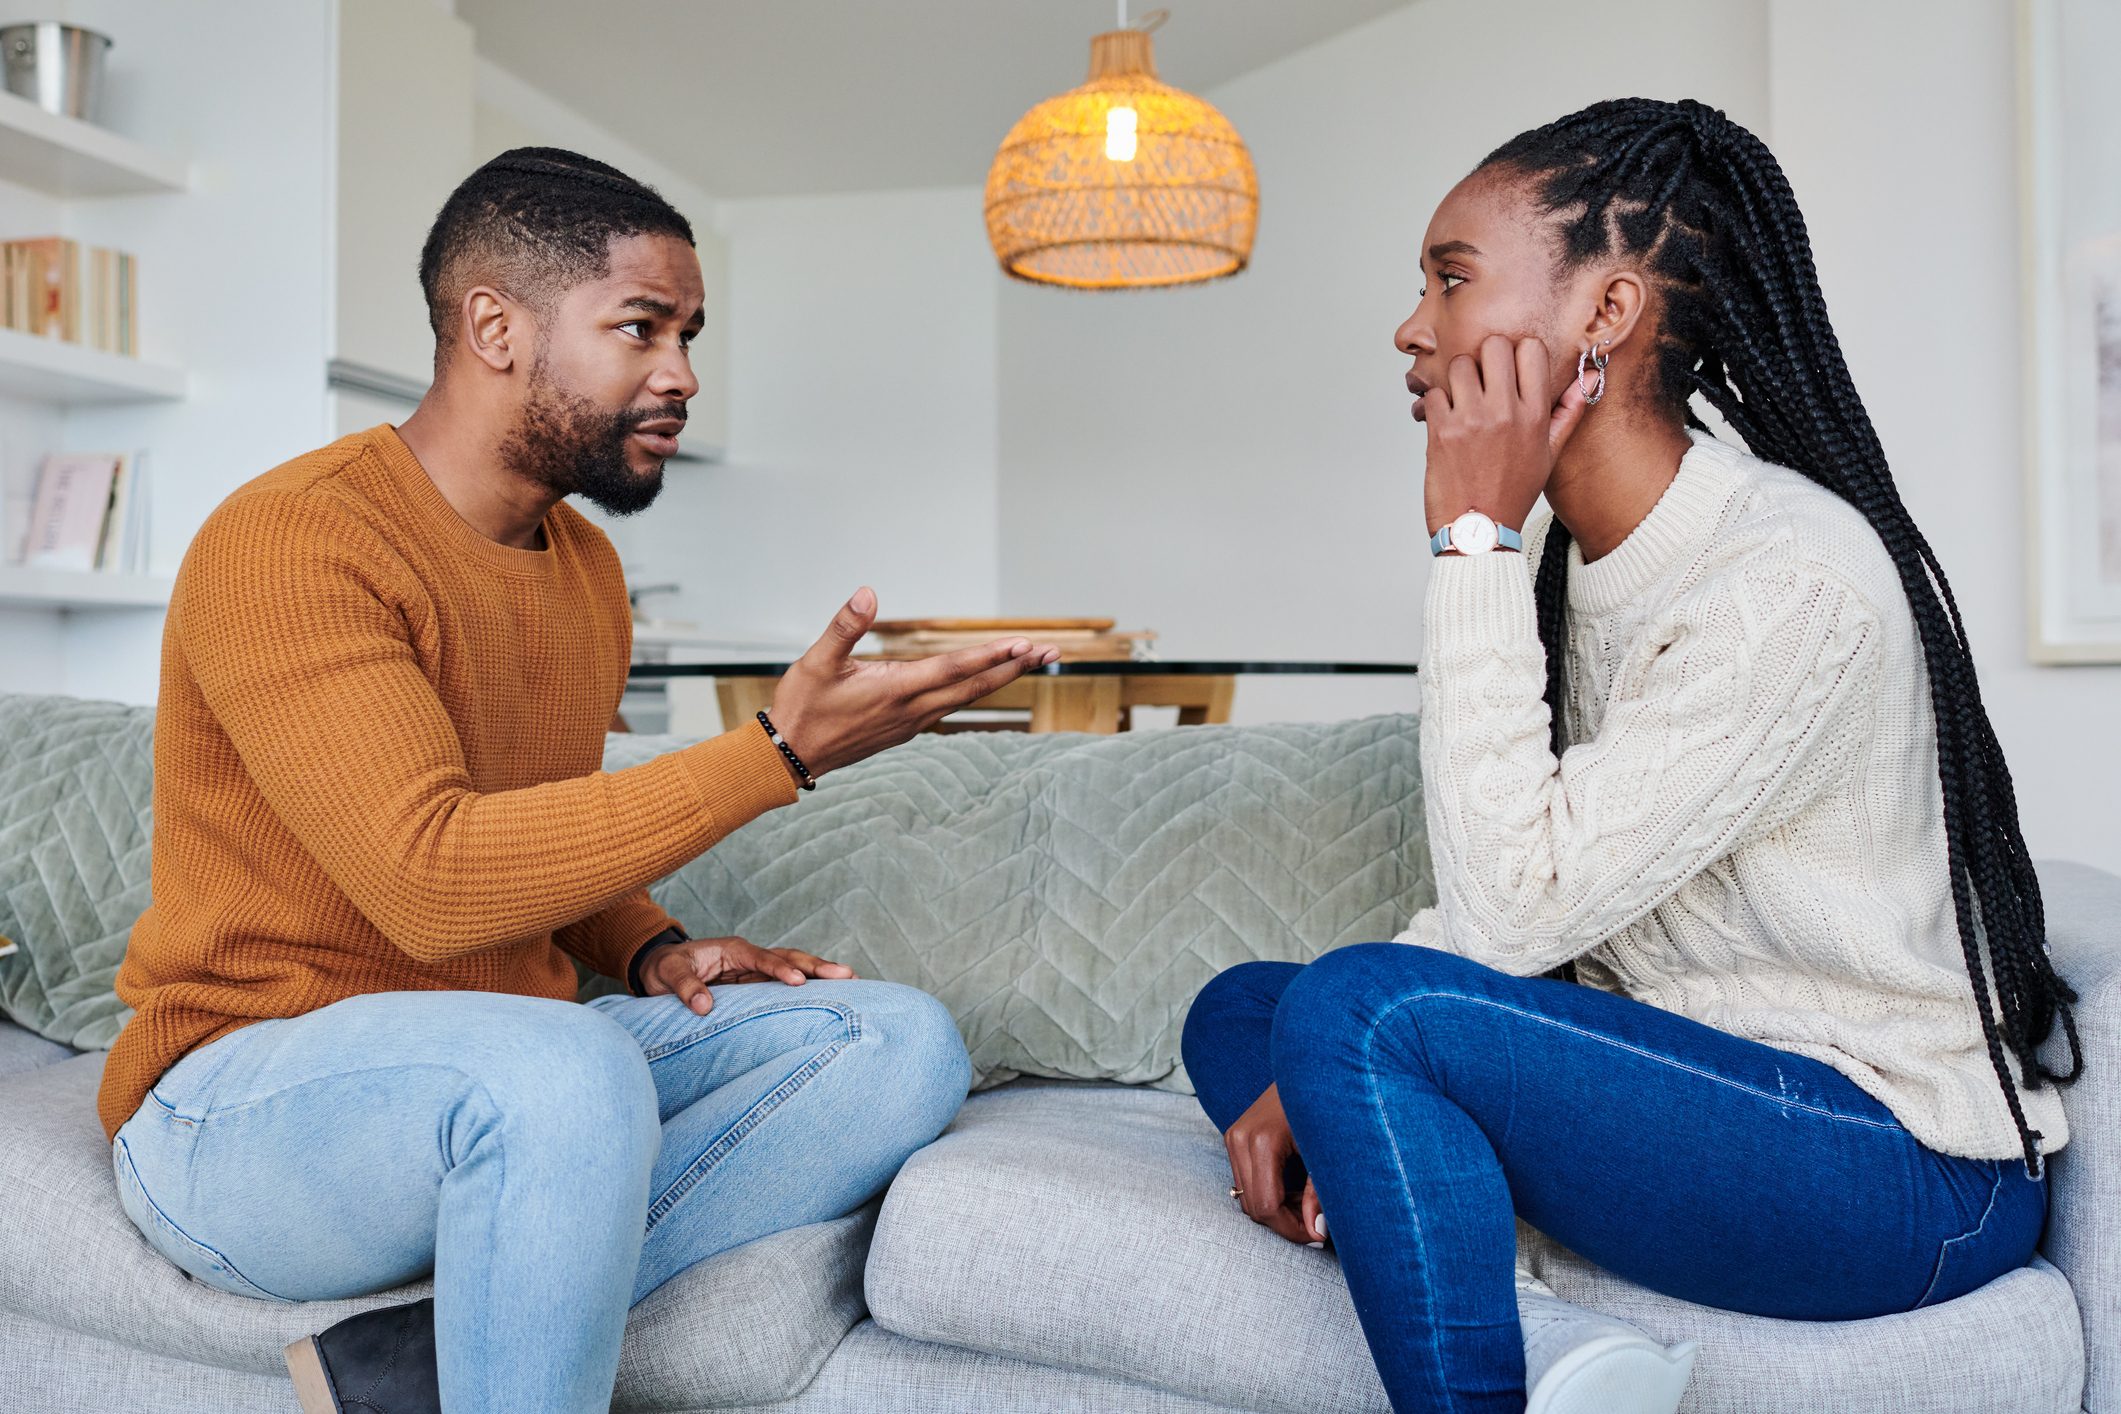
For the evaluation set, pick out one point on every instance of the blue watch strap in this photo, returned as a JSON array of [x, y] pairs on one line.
[[1505, 539]]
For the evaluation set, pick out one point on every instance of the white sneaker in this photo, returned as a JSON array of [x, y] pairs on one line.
[[1579, 1362]]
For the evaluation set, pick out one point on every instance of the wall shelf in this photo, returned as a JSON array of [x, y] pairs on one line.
[[81, 589], [69, 158], [51, 370]]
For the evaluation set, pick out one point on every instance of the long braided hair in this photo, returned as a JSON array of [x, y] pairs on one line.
[[1705, 206]]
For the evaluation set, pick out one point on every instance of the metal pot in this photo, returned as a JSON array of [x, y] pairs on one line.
[[56, 66]]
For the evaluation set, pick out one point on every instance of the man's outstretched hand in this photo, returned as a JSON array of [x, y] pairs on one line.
[[833, 711]]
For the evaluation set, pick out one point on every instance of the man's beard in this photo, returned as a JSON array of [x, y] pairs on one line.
[[568, 444]]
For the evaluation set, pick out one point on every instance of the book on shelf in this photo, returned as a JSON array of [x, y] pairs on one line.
[[56, 288], [90, 511]]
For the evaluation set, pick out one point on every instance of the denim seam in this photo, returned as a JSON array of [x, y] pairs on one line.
[[1369, 1045], [1995, 1187], [664, 1052], [167, 1221], [229, 1112], [1781, 1102], [752, 1118]]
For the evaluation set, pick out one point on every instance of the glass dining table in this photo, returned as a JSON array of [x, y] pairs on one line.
[[1062, 697]]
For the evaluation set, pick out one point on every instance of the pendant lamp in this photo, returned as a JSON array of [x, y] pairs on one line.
[[1123, 183]]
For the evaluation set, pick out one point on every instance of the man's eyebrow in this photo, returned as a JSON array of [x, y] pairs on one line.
[[1444, 250], [661, 309]]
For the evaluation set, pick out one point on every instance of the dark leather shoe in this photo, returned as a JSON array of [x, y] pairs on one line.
[[379, 1362]]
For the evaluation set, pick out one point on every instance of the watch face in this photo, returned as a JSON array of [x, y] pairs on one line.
[[1473, 534]]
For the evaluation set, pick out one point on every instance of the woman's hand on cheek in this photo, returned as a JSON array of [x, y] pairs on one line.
[[1495, 430]]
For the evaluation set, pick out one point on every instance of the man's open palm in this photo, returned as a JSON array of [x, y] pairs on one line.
[[833, 710]]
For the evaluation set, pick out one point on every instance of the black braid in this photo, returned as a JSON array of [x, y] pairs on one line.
[[1705, 205]]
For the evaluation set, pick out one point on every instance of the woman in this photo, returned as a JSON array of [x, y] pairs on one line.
[[1713, 744]]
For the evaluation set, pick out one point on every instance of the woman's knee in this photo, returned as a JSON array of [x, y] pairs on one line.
[[1328, 1022], [1247, 990]]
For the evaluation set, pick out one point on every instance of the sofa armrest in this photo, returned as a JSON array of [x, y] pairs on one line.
[[2084, 1192]]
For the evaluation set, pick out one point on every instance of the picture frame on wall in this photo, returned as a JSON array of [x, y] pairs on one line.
[[2071, 200]]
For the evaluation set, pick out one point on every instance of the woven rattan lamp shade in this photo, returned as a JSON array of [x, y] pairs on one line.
[[1063, 210]]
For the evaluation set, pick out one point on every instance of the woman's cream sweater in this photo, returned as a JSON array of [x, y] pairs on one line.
[[1747, 827]]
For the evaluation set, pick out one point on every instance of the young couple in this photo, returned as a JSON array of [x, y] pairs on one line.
[[1734, 983]]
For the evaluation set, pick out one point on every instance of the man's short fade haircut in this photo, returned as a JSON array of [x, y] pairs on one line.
[[534, 222]]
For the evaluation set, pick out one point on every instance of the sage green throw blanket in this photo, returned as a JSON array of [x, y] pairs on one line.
[[1065, 896]]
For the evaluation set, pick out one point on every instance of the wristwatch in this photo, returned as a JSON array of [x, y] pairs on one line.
[[1474, 534]]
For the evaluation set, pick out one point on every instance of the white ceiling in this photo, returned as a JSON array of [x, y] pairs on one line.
[[774, 97]]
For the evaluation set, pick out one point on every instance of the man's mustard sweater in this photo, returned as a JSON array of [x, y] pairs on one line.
[[377, 763]]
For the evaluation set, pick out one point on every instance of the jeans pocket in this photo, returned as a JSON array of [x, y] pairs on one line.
[[1971, 1260], [185, 1252], [186, 1088]]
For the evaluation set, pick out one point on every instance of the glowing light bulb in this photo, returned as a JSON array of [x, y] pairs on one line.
[[1120, 134]]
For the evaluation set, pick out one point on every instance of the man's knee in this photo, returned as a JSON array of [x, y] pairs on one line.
[[579, 1074], [916, 1054]]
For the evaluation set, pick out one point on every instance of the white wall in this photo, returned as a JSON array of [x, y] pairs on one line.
[[1233, 464], [862, 423], [231, 288], [1241, 456], [1900, 138]]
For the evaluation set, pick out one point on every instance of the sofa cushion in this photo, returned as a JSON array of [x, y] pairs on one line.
[[1067, 896], [76, 780], [877, 1372], [22, 1050], [2013, 1347], [1089, 1226], [2084, 1192], [70, 1258]]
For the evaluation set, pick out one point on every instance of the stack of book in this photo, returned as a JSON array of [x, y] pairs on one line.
[[1079, 640], [89, 512], [60, 289]]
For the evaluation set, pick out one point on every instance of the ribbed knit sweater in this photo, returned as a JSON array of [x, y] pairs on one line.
[[1746, 826], [377, 763]]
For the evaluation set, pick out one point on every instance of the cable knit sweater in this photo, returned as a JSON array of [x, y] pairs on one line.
[[1746, 827]]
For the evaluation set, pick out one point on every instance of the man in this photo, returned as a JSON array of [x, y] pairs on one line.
[[381, 831]]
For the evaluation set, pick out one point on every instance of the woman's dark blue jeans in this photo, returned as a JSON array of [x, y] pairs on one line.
[[1434, 1099]]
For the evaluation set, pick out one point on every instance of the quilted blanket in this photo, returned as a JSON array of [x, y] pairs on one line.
[[1065, 896]]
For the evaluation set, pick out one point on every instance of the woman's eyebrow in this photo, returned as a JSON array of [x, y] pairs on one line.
[[1444, 250]]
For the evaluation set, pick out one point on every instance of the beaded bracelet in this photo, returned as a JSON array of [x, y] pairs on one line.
[[802, 772]]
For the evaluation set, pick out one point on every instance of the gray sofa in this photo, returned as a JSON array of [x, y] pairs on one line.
[[1067, 1244]]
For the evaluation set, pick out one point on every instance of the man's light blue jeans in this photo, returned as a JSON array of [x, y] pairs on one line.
[[551, 1163]]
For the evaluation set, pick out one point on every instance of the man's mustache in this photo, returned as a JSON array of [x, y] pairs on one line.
[[637, 417]]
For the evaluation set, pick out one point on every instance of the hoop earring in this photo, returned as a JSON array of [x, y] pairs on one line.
[[1597, 361]]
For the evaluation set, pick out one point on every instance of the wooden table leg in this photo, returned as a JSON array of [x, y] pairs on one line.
[[1221, 692], [742, 699], [1076, 704]]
